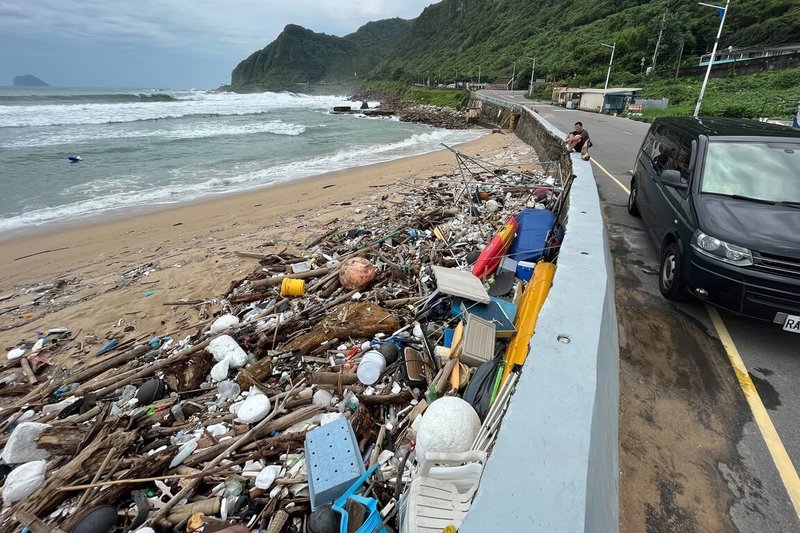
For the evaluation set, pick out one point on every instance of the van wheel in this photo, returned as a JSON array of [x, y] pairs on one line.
[[633, 206], [670, 276]]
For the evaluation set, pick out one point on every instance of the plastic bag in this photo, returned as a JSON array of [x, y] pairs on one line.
[[479, 390], [23, 481], [21, 445]]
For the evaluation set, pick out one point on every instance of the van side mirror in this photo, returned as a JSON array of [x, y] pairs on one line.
[[672, 178]]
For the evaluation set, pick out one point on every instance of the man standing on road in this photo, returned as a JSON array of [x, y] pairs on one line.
[[577, 138]]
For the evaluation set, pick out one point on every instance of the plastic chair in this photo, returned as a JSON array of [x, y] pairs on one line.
[[442, 492], [372, 523]]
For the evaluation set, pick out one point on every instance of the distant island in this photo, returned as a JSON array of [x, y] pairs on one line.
[[29, 80]]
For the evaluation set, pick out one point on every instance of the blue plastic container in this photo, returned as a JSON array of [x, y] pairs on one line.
[[333, 462]]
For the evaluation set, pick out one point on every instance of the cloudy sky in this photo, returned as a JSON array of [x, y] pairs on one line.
[[162, 43]]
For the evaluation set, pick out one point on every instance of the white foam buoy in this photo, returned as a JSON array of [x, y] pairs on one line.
[[15, 353], [255, 408], [222, 323], [449, 425], [225, 347]]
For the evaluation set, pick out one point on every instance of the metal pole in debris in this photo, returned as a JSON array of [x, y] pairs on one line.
[[713, 52]]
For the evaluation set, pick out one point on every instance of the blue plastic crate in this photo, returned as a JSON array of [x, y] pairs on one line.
[[333, 461]]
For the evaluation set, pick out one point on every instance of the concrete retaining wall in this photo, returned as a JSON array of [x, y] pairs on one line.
[[555, 464]]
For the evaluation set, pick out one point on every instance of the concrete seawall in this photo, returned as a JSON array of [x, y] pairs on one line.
[[555, 464]]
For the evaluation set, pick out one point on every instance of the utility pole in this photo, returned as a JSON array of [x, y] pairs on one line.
[[513, 74], [533, 69], [455, 80], [613, 49], [678, 64], [713, 52], [479, 76], [658, 42]]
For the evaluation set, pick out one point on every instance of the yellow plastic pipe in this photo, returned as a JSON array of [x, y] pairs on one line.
[[527, 314]]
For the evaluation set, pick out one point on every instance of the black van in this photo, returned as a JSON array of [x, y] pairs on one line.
[[721, 199]]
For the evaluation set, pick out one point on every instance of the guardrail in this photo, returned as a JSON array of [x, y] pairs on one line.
[[554, 467]]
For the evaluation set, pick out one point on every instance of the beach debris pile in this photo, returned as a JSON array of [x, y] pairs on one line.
[[334, 388]]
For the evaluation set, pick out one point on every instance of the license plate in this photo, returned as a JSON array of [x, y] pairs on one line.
[[792, 324]]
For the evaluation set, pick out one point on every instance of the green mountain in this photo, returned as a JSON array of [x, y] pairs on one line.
[[299, 55], [460, 38], [28, 80], [565, 36]]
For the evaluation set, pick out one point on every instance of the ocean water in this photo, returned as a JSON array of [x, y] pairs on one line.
[[150, 148]]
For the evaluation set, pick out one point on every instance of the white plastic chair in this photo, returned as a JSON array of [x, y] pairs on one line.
[[441, 493]]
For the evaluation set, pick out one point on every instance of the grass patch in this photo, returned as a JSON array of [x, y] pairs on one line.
[[438, 97]]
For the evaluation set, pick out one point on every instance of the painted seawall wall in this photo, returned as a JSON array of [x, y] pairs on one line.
[[555, 465]]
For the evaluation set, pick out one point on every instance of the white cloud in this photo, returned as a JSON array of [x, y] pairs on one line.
[[234, 27]]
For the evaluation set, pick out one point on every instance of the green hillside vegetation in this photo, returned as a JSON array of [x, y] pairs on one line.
[[769, 94], [457, 39], [299, 55], [438, 97], [566, 36]]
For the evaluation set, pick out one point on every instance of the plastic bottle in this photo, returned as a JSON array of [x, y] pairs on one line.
[[228, 389], [177, 412]]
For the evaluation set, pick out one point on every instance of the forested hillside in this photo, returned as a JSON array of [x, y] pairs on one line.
[[459, 38], [300, 55], [566, 36]]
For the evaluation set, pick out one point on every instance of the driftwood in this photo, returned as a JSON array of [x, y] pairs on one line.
[[278, 424], [263, 426], [385, 399], [332, 378], [62, 439], [47, 498], [353, 319], [277, 280], [150, 370]]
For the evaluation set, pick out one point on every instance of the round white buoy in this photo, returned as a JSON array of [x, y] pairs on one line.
[[448, 425], [254, 409]]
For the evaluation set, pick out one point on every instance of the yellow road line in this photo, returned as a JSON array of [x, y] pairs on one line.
[[783, 463], [610, 175], [775, 446]]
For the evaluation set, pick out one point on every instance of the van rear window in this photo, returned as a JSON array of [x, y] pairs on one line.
[[756, 170]]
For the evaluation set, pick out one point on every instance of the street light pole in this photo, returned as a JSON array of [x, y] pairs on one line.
[[533, 69], [613, 49], [713, 52]]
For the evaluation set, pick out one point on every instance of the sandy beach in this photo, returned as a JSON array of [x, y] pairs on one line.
[[115, 278]]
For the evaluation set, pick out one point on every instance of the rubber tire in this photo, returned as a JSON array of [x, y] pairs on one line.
[[633, 206], [671, 258]]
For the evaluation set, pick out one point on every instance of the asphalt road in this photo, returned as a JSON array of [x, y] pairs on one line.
[[693, 457]]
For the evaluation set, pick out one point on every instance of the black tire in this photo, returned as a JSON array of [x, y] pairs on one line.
[[633, 197], [670, 274]]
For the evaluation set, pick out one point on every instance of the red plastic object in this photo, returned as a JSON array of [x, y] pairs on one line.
[[492, 255]]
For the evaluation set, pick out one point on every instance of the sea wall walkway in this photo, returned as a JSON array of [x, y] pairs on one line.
[[555, 465]]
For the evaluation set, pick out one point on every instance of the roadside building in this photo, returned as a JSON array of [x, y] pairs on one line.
[[612, 100]]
